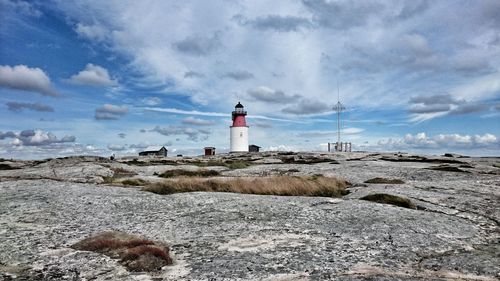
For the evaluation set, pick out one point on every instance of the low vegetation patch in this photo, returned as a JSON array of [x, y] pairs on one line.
[[136, 253], [303, 160], [150, 162], [134, 182], [120, 172], [7, 167], [421, 159], [237, 164], [277, 185], [384, 181], [446, 168], [389, 199], [188, 173]]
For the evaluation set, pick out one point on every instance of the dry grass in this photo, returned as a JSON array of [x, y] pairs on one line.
[[384, 180], [120, 172], [390, 199], [278, 185], [136, 253], [134, 182], [187, 173]]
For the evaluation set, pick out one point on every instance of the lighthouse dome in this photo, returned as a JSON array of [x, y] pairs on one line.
[[239, 105]]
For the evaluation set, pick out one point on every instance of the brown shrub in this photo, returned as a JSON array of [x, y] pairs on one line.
[[146, 257], [277, 185], [384, 180], [137, 242], [136, 254]]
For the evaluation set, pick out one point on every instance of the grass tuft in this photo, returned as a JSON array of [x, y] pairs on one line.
[[389, 199], [384, 180], [187, 173], [277, 185], [135, 253]]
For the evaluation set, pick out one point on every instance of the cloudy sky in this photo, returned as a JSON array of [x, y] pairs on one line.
[[102, 77]]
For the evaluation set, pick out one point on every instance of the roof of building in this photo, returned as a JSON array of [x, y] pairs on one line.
[[254, 145], [209, 147], [239, 105], [154, 148]]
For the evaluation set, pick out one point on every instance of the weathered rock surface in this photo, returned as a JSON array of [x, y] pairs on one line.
[[452, 235]]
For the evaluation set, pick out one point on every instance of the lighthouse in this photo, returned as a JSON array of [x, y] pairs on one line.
[[239, 130]]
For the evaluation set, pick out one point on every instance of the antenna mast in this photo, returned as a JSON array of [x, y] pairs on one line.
[[338, 108]]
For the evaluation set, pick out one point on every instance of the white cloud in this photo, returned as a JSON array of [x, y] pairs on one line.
[[275, 22], [93, 75], [151, 101], [305, 107], [480, 88], [197, 122], [21, 7], [35, 138], [326, 134], [116, 147], [24, 78], [214, 114], [110, 112], [93, 32], [266, 94], [382, 52], [192, 134], [19, 106], [440, 142]]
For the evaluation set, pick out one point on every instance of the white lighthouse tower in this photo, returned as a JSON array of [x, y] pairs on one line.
[[239, 130]]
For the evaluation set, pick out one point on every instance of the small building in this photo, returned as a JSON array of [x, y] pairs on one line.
[[209, 150], [340, 146], [253, 148], [154, 151]]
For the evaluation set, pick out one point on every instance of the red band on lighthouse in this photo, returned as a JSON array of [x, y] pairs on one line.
[[239, 114], [239, 121]]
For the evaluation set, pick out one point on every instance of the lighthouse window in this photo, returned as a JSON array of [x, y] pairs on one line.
[[241, 134]]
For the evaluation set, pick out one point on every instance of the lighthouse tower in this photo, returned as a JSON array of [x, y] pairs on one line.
[[239, 130]]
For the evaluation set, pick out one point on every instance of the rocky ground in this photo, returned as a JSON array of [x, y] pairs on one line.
[[453, 234]]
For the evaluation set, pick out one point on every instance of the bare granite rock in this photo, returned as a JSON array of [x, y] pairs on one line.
[[453, 234]]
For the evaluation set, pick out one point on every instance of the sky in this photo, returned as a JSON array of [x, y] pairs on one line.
[[101, 77]]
